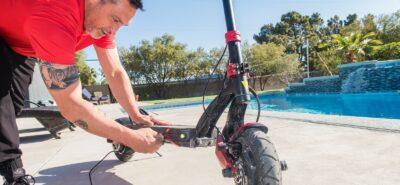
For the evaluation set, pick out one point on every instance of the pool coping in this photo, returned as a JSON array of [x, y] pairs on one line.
[[368, 123], [375, 124]]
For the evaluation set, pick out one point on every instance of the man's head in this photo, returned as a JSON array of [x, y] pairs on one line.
[[107, 16]]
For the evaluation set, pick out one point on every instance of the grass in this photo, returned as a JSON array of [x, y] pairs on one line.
[[199, 98]]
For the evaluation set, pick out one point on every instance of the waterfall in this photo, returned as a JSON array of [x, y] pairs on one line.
[[355, 82]]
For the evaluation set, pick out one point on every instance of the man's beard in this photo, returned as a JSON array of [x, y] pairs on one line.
[[94, 34]]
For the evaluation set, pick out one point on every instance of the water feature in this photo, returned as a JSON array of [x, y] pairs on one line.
[[355, 82]]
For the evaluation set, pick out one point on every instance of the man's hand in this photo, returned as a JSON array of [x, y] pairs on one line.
[[157, 121], [143, 120], [149, 120], [147, 141]]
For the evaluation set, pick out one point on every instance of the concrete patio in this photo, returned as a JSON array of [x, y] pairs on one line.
[[317, 154]]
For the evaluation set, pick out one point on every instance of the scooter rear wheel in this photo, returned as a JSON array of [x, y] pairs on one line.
[[258, 163], [122, 152]]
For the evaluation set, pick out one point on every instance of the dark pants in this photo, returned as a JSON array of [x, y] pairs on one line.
[[15, 76]]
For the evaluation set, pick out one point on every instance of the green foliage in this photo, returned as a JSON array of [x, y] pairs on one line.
[[328, 61], [355, 47], [351, 19], [271, 60], [87, 75], [263, 58], [369, 24], [291, 31], [189, 67], [389, 26], [352, 28], [163, 60], [156, 62], [333, 27], [353, 39], [294, 29], [388, 51]]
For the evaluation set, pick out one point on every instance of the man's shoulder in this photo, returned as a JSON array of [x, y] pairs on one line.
[[65, 14], [62, 10]]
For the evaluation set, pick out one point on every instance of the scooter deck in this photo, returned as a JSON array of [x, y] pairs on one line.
[[180, 135]]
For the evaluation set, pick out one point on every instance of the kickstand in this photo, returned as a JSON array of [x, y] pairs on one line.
[[159, 155]]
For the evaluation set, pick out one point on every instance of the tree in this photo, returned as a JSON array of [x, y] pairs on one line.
[[270, 60], [87, 74], [334, 25], [213, 58], [328, 61], [354, 47], [369, 24], [290, 31], [389, 26], [194, 65], [352, 18], [351, 25], [388, 51], [155, 63]]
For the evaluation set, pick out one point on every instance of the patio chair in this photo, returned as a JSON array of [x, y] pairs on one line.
[[96, 99], [101, 99]]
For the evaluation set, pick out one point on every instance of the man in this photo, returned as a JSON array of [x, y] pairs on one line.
[[48, 33]]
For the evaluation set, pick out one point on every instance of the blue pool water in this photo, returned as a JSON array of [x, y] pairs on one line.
[[377, 105]]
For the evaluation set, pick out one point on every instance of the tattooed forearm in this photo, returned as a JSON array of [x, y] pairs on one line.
[[82, 124], [58, 76]]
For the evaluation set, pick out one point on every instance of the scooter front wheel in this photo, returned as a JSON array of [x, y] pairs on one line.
[[258, 163]]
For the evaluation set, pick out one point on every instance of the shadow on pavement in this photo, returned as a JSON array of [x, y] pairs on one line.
[[78, 174], [35, 138]]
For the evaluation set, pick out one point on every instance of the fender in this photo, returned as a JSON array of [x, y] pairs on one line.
[[246, 126]]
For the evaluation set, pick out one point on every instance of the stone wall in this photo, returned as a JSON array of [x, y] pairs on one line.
[[369, 76], [323, 84]]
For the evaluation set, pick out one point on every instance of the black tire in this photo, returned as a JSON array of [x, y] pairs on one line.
[[258, 163], [123, 153]]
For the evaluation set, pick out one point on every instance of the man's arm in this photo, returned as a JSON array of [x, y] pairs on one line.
[[121, 85], [64, 85]]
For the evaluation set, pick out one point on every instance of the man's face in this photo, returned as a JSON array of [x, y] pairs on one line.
[[107, 16]]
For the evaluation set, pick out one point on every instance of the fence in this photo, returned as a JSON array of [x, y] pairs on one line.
[[191, 88]]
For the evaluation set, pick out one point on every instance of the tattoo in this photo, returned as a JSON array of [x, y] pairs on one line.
[[82, 124], [58, 76]]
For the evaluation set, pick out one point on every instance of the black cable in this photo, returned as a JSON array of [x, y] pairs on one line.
[[206, 86], [94, 167], [98, 163], [208, 80], [258, 103]]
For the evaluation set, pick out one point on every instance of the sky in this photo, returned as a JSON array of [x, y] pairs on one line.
[[201, 23]]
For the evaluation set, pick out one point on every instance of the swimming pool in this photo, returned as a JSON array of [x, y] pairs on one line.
[[377, 105]]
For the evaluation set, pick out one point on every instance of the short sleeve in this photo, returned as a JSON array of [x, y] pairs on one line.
[[52, 34], [106, 42]]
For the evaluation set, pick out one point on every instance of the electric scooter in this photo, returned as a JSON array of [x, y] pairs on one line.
[[244, 150]]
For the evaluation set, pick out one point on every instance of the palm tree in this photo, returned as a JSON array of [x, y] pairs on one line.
[[354, 46]]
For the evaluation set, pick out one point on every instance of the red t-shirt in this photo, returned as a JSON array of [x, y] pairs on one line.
[[51, 30]]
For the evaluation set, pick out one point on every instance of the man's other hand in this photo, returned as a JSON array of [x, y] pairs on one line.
[[147, 141]]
